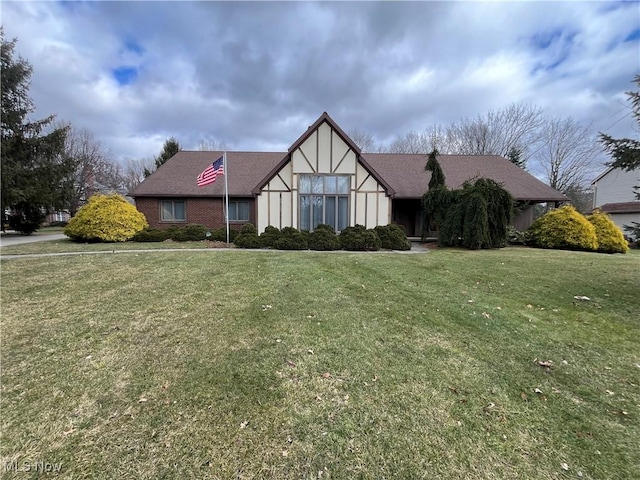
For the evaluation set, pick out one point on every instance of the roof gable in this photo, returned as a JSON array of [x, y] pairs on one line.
[[324, 118]]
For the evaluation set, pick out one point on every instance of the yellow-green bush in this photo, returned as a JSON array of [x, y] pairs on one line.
[[564, 228], [106, 218], [610, 237]]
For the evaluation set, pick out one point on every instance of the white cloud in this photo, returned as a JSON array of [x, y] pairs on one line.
[[255, 75]]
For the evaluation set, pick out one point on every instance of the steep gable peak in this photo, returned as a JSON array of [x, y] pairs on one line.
[[325, 118]]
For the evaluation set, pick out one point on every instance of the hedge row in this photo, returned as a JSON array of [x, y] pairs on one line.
[[324, 238], [188, 233], [356, 238]]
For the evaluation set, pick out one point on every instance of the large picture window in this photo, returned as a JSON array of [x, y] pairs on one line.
[[173, 211], [324, 199], [238, 211]]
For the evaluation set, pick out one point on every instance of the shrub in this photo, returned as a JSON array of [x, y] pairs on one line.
[[247, 240], [188, 233], [269, 236], [359, 238], [393, 237], [291, 239], [324, 238], [516, 237], [58, 223], [610, 237], [248, 228], [106, 218], [27, 219], [150, 235], [220, 235], [564, 228], [195, 232]]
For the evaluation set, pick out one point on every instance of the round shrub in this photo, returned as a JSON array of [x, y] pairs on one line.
[[248, 228], [220, 235], [564, 228], [358, 238], [393, 237], [324, 238], [150, 235], [106, 218], [269, 236], [195, 232], [610, 237], [247, 240], [291, 239]]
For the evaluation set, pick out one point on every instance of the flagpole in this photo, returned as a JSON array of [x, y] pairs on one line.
[[226, 192]]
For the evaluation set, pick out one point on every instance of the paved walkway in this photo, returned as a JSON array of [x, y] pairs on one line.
[[15, 239]]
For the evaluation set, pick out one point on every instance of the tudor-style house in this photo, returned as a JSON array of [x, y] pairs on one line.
[[322, 178]]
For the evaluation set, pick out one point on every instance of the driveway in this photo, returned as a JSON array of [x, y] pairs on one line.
[[11, 239]]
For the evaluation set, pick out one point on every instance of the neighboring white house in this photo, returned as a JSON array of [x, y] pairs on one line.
[[613, 193]]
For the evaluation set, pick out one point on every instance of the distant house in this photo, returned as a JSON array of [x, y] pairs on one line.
[[322, 178], [57, 217], [613, 193]]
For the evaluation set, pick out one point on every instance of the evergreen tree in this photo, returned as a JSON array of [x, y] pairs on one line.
[[34, 168], [436, 200], [515, 157], [625, 151], [169, 149]]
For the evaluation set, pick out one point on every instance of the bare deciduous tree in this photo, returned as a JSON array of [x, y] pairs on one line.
[[133, 172], [94, 170], [568, 153], [363, 140], [209, 145], [497, 133]]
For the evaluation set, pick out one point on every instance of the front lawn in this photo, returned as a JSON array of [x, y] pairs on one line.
[[235, 364]]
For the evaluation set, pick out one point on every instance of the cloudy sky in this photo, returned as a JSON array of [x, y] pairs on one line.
[[255, 75]]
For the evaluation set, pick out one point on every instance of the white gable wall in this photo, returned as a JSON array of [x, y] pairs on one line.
[[616, 186], [322, 153]]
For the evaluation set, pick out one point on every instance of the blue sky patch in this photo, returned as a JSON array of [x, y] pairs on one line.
[[133, 47], [542, 41], [633, 36], [125, 75]]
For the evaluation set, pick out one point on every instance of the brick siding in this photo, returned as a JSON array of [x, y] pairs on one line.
[[202, 211]]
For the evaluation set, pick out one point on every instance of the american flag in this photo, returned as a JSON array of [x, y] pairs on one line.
[[210, 173]]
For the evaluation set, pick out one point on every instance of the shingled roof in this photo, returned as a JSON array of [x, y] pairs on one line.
[[177, 176], [620, 207], [403, 174], [406, 175]]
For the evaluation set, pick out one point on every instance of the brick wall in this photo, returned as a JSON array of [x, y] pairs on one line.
[[203, 211]]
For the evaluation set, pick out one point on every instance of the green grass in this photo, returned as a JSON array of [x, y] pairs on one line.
[[66, 245], [232, 364]]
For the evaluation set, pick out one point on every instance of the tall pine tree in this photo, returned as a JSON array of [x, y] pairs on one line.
[[169, 149], [34, 169]]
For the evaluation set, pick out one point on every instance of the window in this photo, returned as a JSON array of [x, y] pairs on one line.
[[324, 199], [238, 211], [173, 211]]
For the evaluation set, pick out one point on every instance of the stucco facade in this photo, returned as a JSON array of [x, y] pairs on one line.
[[286, 200]]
